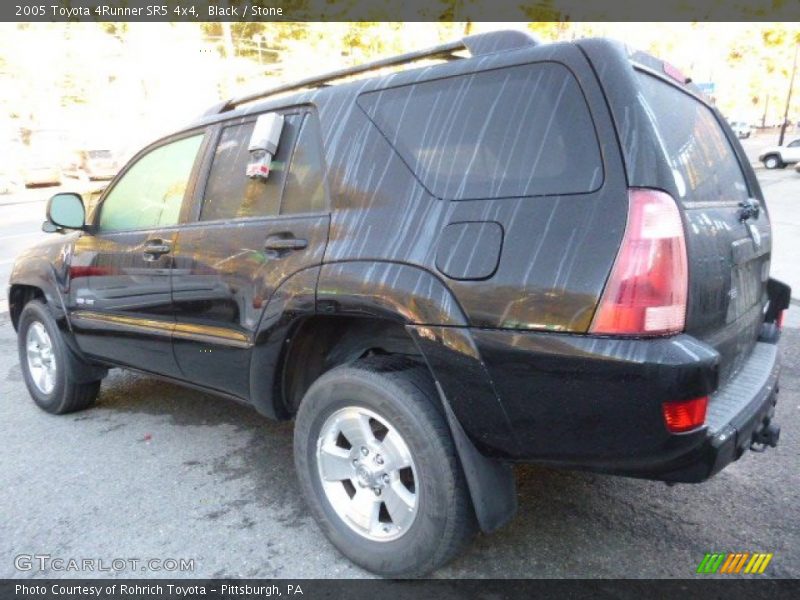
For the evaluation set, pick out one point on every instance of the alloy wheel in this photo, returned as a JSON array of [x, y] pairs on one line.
[[368, 473]]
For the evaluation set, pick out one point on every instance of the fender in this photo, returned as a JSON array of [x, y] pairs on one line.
[[44, 267], [388, 290], [434, 319], [292, 300]]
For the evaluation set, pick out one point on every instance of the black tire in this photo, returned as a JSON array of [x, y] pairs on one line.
[[401, 392], [67, 395], [773, 161]]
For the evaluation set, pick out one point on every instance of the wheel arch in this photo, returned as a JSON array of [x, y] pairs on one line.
[[19, 294]]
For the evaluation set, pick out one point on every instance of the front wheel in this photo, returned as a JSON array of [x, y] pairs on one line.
[[45, 368], [773, 162], [378, 467]]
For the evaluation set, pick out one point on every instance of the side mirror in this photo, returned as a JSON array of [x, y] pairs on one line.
[[67, 211]]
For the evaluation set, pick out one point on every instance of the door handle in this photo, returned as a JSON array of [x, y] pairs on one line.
[[276, 242], [153, 249]]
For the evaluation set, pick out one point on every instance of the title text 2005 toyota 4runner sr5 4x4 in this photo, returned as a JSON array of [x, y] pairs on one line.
[[550, 253]]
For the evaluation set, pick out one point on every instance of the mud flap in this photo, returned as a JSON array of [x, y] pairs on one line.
[[491, 483]]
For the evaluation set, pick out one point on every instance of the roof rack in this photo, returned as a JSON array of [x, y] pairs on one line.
[[478, 45]]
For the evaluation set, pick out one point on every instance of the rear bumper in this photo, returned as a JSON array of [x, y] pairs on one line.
[[736, 412], [595, 403]]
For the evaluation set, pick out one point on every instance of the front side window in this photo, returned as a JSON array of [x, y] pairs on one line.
[[151, 192]]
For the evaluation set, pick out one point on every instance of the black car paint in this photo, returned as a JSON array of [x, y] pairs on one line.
[[513, 359]]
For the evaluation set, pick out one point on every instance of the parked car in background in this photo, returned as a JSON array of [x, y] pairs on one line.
[[41, 171], [777, 157], [741, 129], [92, 165]]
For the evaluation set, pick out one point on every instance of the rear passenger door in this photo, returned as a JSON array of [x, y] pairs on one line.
[[247, 237]]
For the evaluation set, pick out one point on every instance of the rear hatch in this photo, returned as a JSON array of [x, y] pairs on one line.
[[707, 174]]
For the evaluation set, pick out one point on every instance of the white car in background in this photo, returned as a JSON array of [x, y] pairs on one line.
[[741, 129], [777, 157]]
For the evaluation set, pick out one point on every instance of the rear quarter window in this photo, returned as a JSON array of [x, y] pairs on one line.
[[702, 160], [512, 132]]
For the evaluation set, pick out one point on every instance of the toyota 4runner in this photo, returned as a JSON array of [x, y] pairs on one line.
[[550, 253]]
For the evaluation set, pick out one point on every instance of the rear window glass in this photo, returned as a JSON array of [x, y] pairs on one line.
[[703, 163], [511, 132]]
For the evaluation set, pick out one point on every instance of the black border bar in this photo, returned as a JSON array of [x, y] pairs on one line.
[[312, 589], [405, 10]]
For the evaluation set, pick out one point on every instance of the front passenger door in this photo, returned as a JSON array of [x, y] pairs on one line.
[[119, 299]]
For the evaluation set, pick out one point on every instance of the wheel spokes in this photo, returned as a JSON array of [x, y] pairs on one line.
[[397, 454], [355, 427], [335, 463], [400, 503], [40, 334], [42, 379], [364, 510]]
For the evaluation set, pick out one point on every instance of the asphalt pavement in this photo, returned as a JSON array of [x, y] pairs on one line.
[[156, 471]]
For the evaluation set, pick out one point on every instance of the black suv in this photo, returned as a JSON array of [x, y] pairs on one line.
[[550, 253]]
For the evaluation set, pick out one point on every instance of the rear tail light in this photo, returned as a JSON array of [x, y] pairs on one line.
[[685, 415], [779, 320], [646, 293]]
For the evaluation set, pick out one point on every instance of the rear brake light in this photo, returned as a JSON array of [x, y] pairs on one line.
[[685, 415], [646, 293], [779, 320]]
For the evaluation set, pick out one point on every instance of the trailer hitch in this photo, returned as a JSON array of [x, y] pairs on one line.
[[767, 435]]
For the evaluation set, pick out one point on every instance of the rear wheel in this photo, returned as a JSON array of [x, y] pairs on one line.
[[45, 368], [377, 465], [773, 161]]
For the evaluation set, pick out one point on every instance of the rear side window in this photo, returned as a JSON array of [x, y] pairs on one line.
[[703, 163], [229, 193], [511, 132], [305, 187]]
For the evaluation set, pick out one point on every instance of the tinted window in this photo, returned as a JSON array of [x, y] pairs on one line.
[[151, 192], [518, 131], [795, 144], [305, 189], [229, 193], [703, 163]]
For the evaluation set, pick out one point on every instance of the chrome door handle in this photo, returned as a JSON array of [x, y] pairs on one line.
[[153, 249], [285, 243]]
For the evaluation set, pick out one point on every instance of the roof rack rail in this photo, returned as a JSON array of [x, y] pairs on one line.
[[478, 45]]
